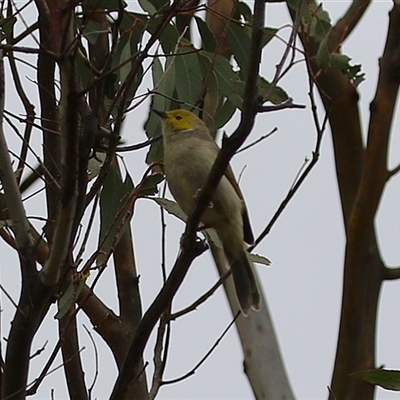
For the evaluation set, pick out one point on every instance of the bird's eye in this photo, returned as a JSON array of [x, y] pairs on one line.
[[178, 117]]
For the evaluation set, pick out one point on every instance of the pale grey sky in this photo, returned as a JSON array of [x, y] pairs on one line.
[[306, 246]]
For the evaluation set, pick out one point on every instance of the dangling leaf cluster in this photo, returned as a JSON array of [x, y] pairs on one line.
[[315, 23]]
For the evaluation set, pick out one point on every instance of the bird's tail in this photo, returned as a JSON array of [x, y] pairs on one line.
[[247, 290]]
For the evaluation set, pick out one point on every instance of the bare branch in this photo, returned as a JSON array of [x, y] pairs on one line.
[[347, 23], [11, 189], [393, 172], [202, 298], [138, 146], [204, 358], [283, 106], [70, 158], [390, 274], [96, 361]]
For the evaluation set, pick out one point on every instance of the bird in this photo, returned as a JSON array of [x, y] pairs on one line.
[[189, 154]]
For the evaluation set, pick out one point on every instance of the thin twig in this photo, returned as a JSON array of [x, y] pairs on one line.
[[283, 106], [138, 146], [11, 299], [202, 298], [39, 351], [96, 362], [204, 358], [260, 139], [295, 187]]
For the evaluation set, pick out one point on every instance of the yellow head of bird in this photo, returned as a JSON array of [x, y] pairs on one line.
[[179, 120]]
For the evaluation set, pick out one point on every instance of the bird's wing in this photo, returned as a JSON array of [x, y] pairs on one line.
[[247, 231]]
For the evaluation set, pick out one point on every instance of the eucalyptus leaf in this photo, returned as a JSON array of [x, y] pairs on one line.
[[211, 236], [228, 81], [68, 299], [7, 24], [320, 24], [245, 11], [269, 34], [148, 7], [240, 43], [207, 37], [149, 185], [340, 61], [91, 30], [171, 207], [388, 379], [258, 259], [125, 68], [224, 114], [188, 76], [6, 222], [323, 55], [168, 37], [276, 95], [113, 210], [163, 82]]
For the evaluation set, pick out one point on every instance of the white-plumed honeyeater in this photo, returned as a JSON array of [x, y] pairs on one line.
[[189, 154]]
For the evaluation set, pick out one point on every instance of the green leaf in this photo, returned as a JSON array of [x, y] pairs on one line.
[[85, 75], [240, 43], [224, 114], [228, 81], [149, 185], [353, 72], [269, 34], [207, 37], [126, 54], [388, 379], [169, 35], [188, 76], [6, 222], [131, 31], [174, 209], [323, 55], [245, 11], [340, 61], [113, 209], [314, 18], [163, 82], [354, 75], [275, 95], [258, 259], [320, 24], [171, 207], [159, 4], [211, 236], [91, 30], [148, 7], [68, 298], [7, 25]]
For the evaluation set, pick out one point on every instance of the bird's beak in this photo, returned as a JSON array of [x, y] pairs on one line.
[[161, 114]]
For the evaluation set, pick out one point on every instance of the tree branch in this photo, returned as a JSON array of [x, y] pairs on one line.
[[69, 109], [347, 23], [390, 274], [10, 185]]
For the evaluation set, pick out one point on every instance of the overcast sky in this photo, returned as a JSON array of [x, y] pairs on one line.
[[306, 246]]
